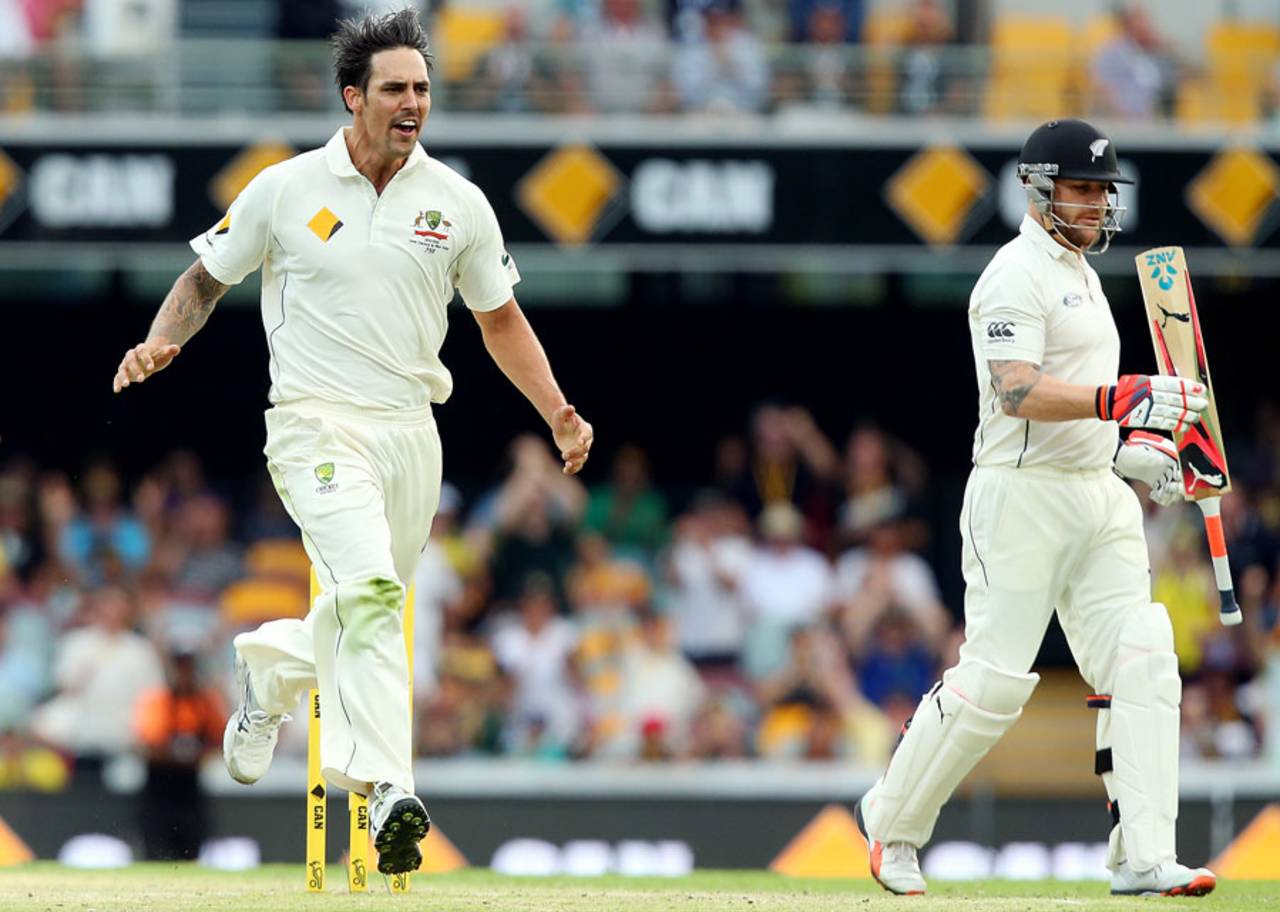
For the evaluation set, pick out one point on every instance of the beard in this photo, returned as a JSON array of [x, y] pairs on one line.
[[1081, 236]]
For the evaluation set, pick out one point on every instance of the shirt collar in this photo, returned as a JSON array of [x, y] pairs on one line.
[[339, 158], [1033, 231]]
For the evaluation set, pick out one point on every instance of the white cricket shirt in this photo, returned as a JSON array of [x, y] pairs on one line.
[[355, 285], [1038, 301]]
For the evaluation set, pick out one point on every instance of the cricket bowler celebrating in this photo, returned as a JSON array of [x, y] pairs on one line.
[[1049, 523], [361, 244]]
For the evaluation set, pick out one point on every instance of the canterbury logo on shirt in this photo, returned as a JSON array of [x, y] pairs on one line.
[[324, 224], [999, 330]]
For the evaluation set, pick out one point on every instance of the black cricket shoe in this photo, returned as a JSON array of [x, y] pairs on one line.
[[399, 821]]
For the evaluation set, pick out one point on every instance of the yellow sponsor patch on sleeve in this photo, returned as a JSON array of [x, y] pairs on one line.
[[324, 224]]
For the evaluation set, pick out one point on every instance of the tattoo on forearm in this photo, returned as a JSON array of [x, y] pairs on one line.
[[188, 305], [1013, 382]]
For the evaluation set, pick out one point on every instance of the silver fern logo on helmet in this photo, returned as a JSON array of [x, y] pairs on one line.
[[1097, 148]]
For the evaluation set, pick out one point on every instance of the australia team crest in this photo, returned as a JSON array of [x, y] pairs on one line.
[[431, 231]]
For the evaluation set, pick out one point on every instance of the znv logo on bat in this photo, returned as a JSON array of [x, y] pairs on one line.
[[1161, 261]]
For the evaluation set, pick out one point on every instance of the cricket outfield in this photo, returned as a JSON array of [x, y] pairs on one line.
[[48, 887]]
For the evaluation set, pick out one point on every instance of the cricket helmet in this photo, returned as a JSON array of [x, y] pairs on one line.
[[1071, 150]]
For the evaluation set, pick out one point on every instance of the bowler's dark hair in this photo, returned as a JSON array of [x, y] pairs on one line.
[[357, 40]]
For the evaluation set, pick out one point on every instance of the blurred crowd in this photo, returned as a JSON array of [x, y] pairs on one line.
[[910, 57], [786, 610]]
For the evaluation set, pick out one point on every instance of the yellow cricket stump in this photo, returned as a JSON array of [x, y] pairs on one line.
[[317, 799], [357, 805], [358, 843], [400, 882]]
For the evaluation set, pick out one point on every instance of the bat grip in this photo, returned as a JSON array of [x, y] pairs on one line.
[[1229, 612]]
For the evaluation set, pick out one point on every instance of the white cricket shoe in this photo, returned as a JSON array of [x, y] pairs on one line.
[[399, 822], [1168, 879], [251, 734], [894, 865]]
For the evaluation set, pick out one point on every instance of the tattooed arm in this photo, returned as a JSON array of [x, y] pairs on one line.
[[1023, 391], [184, 311]]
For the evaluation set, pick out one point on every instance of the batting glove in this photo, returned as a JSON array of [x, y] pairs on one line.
[[1153, 460], [1160, 402]]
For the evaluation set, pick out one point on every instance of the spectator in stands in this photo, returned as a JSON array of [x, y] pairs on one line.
[[602, 581], [628, 510], [786, 585], [528, 523], [28, 765], [801, 13], [1251, 521], [182, 474], [100, 670], [209, 560], [1183, 583], [16, 40], [535, 651], [711, 551], [827, 77], [661, 694], [267, 518], [530, 518], [882, 478], [177, 725], [1134, 73], [437, 588], [468, 708], [812, 708], [1215, 723], [791, 461], [719, 731], [520, 75], [606, 595], [626, 58], [925, 82], [896, 660], [21, 547], [104, 541], [721, 67], [26, 653], [882, 577], [129, 28]]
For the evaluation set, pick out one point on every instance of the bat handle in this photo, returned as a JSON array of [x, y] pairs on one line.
[[1229, 613]]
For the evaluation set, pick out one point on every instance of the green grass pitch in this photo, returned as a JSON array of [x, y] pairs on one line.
[[47, 887]]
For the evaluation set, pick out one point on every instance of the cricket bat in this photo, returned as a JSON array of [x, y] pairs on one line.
[[1179, 344]]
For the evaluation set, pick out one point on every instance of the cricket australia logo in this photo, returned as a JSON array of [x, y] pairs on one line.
[[430, 230], [324, 474]]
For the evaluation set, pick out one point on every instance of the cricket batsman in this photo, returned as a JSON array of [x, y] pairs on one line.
[[361, 245], [1049, 523]]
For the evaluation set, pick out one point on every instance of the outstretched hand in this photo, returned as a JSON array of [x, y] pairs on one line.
[[143, 360], [573, 436]]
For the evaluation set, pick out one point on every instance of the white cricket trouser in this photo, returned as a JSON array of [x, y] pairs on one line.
[[1036, 539], [363, 487]]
